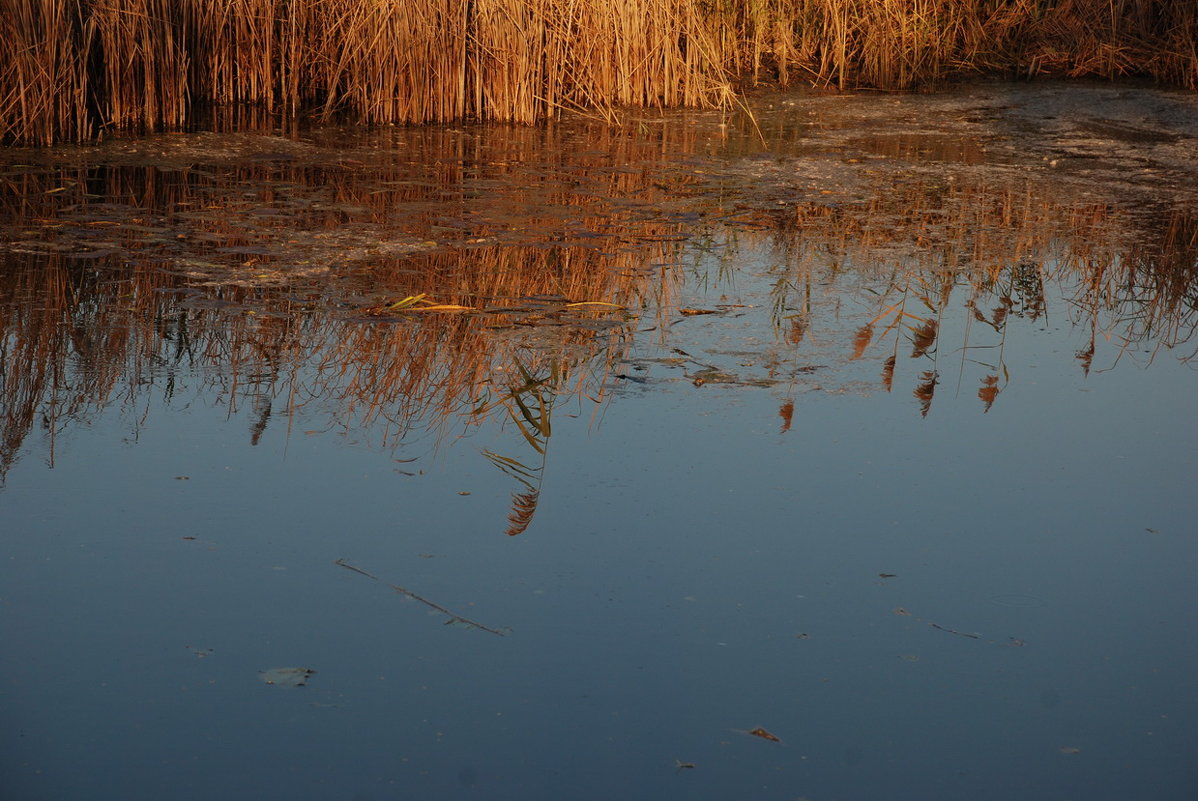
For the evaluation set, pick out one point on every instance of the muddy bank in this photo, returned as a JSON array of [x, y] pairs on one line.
[[330, 196]]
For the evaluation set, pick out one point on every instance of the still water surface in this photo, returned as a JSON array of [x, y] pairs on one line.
[[872, 432]]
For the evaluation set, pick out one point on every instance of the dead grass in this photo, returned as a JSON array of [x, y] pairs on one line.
[[72, 68]]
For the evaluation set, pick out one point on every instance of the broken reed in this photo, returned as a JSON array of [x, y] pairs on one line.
[[71, 69]]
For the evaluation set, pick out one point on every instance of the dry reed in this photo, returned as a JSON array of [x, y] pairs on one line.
[[71, 68]]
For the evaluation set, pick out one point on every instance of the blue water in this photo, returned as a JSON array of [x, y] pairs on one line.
[[972, 603], [691, 574]]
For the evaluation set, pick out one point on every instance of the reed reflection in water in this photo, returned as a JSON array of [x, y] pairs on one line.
[[393, 300], [987, 259], [625, 401]]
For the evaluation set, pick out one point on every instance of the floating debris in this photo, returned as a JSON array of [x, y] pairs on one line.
[[765, 735], [452, 618], [954, 631], [286, 677]]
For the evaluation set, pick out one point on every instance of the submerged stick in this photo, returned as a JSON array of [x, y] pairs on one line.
[[453, 617]]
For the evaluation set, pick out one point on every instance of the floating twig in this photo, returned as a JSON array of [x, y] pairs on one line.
[[348, 566], [954, 631], [453, 617]]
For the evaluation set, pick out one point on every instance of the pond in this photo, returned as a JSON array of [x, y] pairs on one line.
[[840, 452]]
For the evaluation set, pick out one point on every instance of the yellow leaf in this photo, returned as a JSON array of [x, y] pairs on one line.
[[765, 735]]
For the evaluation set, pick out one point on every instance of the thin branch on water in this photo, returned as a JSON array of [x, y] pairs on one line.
[[348, 566], [954, 631], [453, 617]]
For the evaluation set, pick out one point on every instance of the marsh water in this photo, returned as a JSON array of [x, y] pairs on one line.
[[847, 452]]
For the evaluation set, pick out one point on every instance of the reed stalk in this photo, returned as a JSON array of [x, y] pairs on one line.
[[72, 68]]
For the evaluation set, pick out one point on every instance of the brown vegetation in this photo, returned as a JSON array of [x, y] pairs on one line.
[[911, 262], [70, 69], [109, 272], [88, 326], [103, 305]]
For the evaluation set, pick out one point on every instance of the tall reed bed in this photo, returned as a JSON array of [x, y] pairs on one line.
[[897, 44], [72, 68], [45, 75]]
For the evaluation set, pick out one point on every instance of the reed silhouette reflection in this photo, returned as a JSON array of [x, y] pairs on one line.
[[428, 279], [858, 436]]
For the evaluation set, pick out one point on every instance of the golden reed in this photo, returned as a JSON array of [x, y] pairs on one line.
[[73, 69]]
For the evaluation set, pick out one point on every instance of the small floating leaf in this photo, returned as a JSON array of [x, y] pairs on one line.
[[287, 676], [765, 735]]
